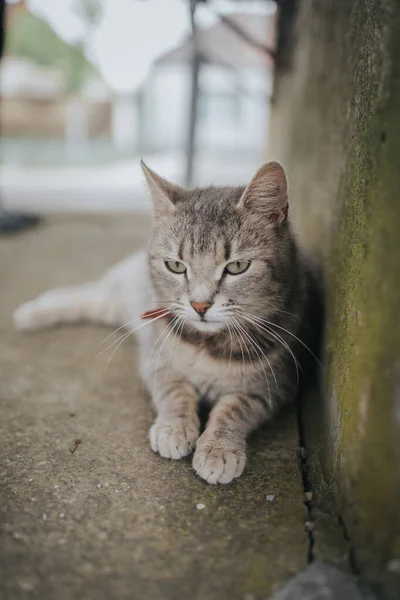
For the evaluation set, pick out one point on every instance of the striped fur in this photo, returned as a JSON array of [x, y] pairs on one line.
[[247, 353]]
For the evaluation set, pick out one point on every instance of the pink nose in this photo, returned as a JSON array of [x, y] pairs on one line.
[[201, 307]]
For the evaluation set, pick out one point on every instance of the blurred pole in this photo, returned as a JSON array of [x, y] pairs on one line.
[[194, 93], [2, 42], [2, 25], [11, 222]]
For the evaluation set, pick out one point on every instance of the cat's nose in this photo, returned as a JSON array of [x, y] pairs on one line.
[[201, 307]]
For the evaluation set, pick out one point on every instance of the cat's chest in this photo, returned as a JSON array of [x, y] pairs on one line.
[[212, 376]]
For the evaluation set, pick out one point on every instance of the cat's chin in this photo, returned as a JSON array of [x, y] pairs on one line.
[[209, 327]]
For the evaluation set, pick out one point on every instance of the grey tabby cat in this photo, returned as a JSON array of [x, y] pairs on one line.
[[235, 311]]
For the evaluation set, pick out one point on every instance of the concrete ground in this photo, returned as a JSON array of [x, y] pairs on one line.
[[112, 519]]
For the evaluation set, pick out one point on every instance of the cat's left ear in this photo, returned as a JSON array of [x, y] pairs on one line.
[[163, 193], [267, 193]]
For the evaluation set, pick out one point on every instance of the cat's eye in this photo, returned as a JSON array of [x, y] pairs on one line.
[[237, 267], [175, 266]]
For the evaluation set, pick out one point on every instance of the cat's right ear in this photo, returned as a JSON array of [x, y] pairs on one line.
[[163, 193], [267, 193]]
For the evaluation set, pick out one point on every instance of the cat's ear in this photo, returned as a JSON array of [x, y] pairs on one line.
[[267, 193], [163, 193]]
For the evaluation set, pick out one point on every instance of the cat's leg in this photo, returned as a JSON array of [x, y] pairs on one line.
[[220, 454], [112, 300], [177, 426], [87, 302]]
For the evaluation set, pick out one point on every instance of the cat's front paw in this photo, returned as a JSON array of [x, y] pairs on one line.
[[219, 460], [174, 438]]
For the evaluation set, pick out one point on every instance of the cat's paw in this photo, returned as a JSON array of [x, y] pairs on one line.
[[218, 461], [174, 439]]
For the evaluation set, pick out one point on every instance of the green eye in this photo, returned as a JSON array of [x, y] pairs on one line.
[[237, 267], [175, 266]]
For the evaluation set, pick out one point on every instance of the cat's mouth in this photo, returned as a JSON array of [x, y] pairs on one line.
[[207, 326], [203, 324]]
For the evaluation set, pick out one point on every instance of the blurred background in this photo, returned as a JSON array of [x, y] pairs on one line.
[[197, 88], [91, 86]]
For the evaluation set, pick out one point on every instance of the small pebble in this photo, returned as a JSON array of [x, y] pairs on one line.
[[270, 497], [309, 525], [303, 453], [394, 565], [106, 484], [98, 486], [26, 586], [62, 515], [200, 506], [44, 517], [308, 496]]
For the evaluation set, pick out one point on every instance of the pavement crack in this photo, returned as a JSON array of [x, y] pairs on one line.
[[307, 492], [315, 519], [307, 499], [352, 557]]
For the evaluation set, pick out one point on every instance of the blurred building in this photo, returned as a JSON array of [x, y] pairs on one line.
[[235, 85], [34, 102]]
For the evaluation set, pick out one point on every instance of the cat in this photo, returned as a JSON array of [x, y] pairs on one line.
[[234, 314]]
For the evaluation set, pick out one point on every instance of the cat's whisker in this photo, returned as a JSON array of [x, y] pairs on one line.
[[181, 329], [180, 324], [161, 338], [256, 347], [148, 363], [130, 332], [276, 309], [123, 326], [174, 327], [241, 350], [240, 331], [281, 341], [179, 334], [124, 337], [231, 342], [118, 341], [171, 329], [271, 324], [260, 324], [261, 363]]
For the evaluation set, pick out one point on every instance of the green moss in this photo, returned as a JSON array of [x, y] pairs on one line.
[[364, 330], [343, 152]]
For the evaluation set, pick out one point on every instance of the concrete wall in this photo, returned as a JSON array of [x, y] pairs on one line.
[[336, 127]]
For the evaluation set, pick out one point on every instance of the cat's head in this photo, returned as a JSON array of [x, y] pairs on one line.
[[217, 254]]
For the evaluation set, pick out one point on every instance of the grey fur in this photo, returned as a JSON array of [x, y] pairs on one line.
[[259, 335]]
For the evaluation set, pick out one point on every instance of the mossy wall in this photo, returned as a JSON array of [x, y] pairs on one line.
[[336, 127]]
